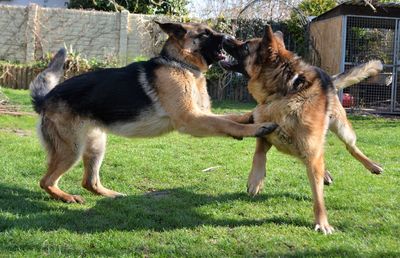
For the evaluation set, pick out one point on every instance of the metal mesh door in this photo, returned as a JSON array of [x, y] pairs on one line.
[[371, 38], [397, 98], [397, 70]]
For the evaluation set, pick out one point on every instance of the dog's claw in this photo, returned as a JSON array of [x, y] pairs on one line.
[[328, 180], [376, 169], [326, 229], [74, 199], [255, 183], [254, 190], [267, 128]]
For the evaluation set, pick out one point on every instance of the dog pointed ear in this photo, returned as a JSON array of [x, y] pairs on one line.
[[172, 29], [279, 34], [268, 35], [279, 37]]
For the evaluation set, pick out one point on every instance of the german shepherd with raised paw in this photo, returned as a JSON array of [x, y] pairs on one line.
[[302, 99], [143, 99]]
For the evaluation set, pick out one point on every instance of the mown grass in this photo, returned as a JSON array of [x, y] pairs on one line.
[[172, 208], [19, 98]]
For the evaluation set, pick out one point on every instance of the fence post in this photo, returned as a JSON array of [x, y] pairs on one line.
[[123, 36], [31, 32]]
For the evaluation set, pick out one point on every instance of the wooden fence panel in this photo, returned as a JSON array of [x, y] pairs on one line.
[[17, 77]]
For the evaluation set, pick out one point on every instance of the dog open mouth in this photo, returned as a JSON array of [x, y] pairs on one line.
[[217, 54], [220, 55], [228, 63]]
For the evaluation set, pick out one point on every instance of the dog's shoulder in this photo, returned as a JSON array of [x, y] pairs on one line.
[[172, 73]]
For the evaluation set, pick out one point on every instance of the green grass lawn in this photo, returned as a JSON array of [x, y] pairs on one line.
[[172, 208]]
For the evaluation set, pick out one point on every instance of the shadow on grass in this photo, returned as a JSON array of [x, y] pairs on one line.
[[172, 209], [165, 210]]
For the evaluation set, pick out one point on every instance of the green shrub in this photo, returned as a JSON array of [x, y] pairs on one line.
[[297, 24]]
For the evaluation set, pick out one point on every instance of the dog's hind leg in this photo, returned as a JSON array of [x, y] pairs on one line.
[[92, 157], [315, 171], [64, 149], [340, 126], [255, 181]]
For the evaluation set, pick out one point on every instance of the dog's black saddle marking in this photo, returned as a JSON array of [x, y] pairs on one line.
[[108, 95]]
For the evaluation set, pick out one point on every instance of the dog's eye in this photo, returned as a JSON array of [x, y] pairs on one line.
[[202, 35], [246, 48]]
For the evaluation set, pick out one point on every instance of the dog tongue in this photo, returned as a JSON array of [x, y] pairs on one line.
[[221, 56]]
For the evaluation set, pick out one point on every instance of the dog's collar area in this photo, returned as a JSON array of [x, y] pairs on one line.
[[194, 69]]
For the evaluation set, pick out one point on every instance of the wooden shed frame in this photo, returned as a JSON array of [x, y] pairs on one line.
[[330, 35]]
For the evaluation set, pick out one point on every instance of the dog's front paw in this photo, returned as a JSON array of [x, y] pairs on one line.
[[266, 129], [324, 228], [376, 169]]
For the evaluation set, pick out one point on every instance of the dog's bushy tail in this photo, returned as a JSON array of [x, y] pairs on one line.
[[47, 79], [357, 74]]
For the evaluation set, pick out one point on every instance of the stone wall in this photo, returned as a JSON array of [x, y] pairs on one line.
[[27, 33], [13, 33]]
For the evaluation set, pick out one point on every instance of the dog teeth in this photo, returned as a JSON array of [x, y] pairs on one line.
[[227, 55]]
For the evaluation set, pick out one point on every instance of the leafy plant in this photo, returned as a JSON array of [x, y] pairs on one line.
[[316, 7], [170, 7], [296, 25]]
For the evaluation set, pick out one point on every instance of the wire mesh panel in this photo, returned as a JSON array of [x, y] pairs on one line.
[[370, 38], [397, 97], [397, 78], [373, 94]]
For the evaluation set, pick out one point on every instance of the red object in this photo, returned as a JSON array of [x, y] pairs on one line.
[[347, 100]]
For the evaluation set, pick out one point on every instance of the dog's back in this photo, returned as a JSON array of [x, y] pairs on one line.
[[107, 96]]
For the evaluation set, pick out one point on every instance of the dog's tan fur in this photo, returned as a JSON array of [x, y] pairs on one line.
[[338, 122], [181, 103], [302, 116], [304, 111]]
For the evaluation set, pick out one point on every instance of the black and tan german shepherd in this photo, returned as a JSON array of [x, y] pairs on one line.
[[143, 99], [302, 100]]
